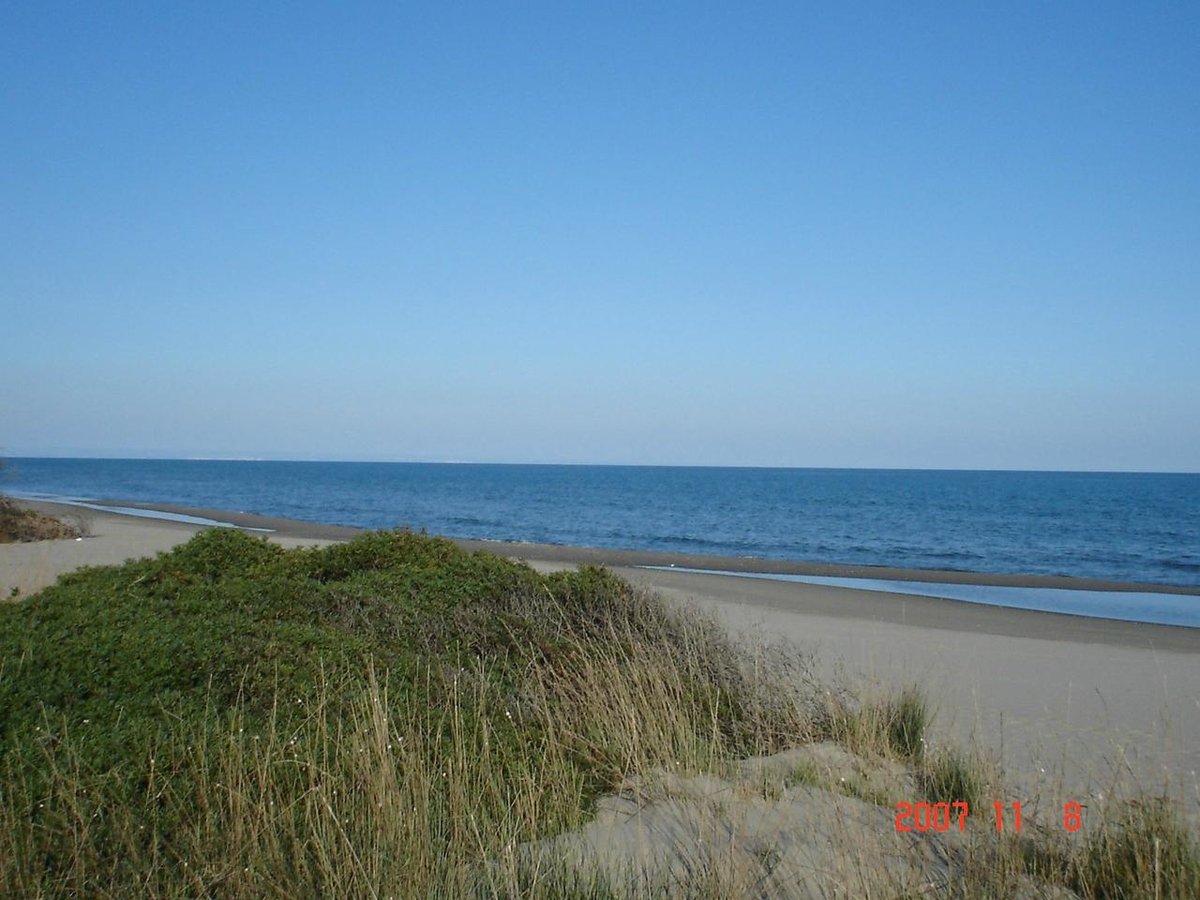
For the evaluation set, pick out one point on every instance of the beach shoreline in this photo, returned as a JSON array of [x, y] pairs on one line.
[[719, 578], [628, 558]]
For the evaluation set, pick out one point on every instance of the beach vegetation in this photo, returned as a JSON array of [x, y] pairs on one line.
[[950, 776], [906, 718], [19, 524], [1142, 848], [893, 725], [395, 685]]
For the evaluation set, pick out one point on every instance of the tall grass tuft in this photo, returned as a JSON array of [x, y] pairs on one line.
[[1143, 849], [950, 776], [906, 718], [892, 726]]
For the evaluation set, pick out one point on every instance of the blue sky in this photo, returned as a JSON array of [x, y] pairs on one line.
[[754, 234]]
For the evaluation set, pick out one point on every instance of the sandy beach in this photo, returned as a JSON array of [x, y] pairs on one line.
[[1066, 701]]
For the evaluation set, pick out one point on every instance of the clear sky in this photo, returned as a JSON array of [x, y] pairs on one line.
[[911, 235]]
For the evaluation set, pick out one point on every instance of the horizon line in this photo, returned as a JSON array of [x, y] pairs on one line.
[[615, 465]]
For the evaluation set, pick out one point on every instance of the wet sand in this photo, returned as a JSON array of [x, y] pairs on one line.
[[1074, 696]]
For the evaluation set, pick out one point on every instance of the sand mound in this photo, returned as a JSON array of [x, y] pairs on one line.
[[783, 826]]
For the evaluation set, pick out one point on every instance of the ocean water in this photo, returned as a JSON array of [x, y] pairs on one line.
[[1126, 527]]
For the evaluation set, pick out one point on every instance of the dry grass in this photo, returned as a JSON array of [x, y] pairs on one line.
[[386, 798], [392, 798]]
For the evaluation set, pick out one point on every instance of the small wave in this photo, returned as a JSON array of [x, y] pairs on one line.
[[672, 539], [473, 522], [953, 554]]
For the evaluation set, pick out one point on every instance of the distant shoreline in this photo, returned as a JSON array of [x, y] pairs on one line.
[[625, 558], [1098, 531]]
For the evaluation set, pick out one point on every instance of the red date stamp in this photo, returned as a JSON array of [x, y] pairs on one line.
[[944, 816]]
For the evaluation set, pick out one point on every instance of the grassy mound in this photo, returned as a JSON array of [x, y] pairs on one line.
[[18, 524], [133, 698], [229, 620]]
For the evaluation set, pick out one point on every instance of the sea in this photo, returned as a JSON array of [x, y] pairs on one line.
[[1133, 527]]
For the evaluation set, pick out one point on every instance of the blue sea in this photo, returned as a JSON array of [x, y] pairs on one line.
[[1124, 527]]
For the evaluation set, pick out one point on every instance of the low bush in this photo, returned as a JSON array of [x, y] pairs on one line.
[[18, 524]]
